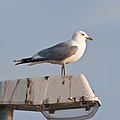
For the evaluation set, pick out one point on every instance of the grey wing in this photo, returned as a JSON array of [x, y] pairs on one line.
[[58, 52]]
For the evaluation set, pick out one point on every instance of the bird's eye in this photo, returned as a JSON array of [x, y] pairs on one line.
[[83, 34]]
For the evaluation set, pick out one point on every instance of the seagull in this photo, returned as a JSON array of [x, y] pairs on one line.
[[62, 53]]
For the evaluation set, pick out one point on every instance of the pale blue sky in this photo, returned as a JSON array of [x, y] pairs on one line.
[[27, 26]]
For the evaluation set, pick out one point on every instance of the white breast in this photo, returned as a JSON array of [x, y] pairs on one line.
[[81, 48]]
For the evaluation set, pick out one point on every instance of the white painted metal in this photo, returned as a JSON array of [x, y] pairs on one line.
[[49, 93]]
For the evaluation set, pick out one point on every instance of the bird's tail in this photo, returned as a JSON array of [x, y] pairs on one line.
[[23, 61], [30, 60]]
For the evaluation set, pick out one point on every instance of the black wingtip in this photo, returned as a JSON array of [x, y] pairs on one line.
[[23, 61], [14, 60], [17, 63]]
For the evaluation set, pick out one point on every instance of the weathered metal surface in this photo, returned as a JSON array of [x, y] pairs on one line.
[[13, 91], [46, 91]]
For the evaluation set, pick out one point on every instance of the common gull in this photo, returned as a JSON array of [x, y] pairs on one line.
[[62, 53]]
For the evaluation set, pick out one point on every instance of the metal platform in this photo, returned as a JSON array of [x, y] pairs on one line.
[[50, 94]]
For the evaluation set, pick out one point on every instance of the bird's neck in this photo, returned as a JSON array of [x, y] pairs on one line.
[[78, 40], [79, 43]]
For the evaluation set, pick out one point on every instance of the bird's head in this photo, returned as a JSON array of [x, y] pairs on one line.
[[81, 35]]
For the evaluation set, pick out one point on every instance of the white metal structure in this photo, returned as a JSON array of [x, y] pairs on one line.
[[57, 97]]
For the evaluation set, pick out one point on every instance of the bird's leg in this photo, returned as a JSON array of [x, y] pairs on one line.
[[63, 72], [63, 69]]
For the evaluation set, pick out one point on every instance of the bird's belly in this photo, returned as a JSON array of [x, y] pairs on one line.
[[74, 57]]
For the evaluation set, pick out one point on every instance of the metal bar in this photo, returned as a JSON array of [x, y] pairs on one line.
[[6, 113]]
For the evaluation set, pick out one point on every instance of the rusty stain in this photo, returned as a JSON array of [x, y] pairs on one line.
[[28, 84], [66, 76], [70, 77], [63, 81], [46, 77], [18, 81], [39, 108], [70, 82], [70, 86], [28, 92], [82, 98], [63, 77], [5, 87], [70, 98], [74, 98], [58, 99]]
